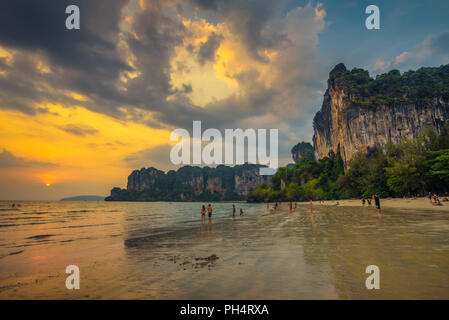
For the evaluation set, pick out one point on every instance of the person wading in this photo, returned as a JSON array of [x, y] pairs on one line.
[[377, 201], [209, 211], [203, 212]]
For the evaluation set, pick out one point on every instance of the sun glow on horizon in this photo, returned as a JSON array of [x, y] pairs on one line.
[[72, 145]]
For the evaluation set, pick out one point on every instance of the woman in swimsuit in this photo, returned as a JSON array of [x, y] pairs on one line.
[[203, 212]]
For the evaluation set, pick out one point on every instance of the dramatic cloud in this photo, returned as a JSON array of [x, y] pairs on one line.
[[208, 48], [166, 63], [433, 51], [79, 130], [8, 160], [44, 59], [158, 156]]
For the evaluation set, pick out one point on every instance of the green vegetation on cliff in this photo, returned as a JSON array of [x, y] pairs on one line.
[[304, 150], [407, 168], [413, 87], [306, 180]]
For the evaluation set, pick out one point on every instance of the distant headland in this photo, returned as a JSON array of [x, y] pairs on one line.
[[84, 198]]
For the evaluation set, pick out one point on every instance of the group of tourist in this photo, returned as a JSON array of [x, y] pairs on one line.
[[210, 210], [374, 198], [276, 205], [435, 199]]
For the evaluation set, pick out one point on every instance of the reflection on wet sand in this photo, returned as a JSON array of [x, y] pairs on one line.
[[160, 250]]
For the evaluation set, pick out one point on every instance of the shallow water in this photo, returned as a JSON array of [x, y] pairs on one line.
[[158, 251]]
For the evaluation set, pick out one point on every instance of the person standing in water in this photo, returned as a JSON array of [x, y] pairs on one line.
[[203, 212], [241, 212], [209, 211], [377, 201], [233, 210]]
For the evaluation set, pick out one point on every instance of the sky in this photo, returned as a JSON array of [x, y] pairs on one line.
[[80, 109]]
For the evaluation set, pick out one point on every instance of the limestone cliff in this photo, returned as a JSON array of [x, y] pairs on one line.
[[190, 183], [302, 150], [360, 113], [247, 180], [143, 179]]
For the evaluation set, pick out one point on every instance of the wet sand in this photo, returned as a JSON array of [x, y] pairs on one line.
[[164, 251]]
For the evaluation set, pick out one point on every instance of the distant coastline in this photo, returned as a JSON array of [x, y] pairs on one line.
[[84, 198]]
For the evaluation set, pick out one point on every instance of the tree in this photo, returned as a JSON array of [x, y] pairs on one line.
[[440, 167], [403, 178]]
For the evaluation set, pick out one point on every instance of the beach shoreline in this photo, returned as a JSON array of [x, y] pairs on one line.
[[421, 203]]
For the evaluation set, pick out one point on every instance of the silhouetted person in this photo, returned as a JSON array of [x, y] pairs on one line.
[[377, 201]]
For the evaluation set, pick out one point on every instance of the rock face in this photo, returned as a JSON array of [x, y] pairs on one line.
[[143, 179], [190, 183], [302, 150], [359, 113], [247, 180]]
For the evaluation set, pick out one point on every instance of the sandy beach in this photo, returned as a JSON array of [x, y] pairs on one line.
[[163, 250], [422, 203]]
